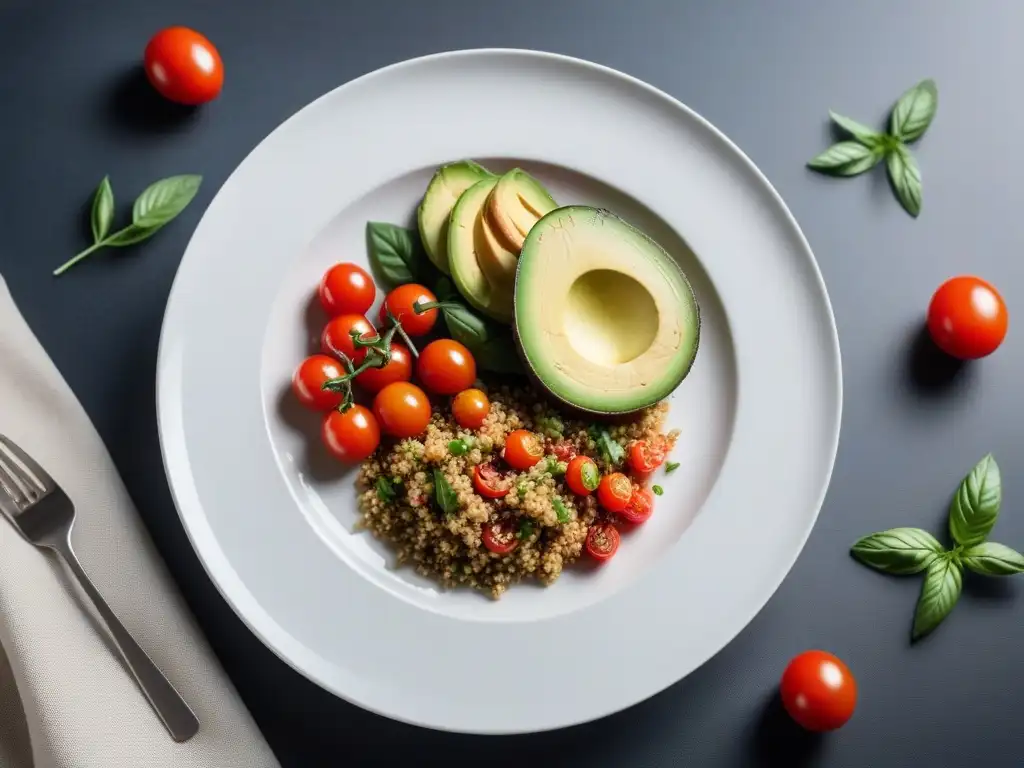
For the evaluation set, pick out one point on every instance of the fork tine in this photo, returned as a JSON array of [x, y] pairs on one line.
[[42, 478], [10, 486]]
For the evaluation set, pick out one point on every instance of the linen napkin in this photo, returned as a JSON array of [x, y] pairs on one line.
[[66, 701]]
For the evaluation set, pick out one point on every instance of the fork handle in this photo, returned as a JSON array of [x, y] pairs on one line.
[[175, 714]]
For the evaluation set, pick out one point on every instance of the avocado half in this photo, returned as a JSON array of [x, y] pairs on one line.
[[606, 321], [445, 188]]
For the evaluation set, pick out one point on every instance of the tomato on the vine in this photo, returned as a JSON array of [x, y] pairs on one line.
[[647, 455], [446, 367], [499, 538], [336, 338], [399, 368], [967, 317], [818, 691], [346, 289], [183, 66], [308, 380], [602, 541], [582, 475], [470, 408], [640, 506], [402, 409], [400, 302], [614, 492], [351, 436], [523, 449], [488, 482]]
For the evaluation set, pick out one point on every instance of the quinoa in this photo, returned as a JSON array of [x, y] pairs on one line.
[[450, 548]]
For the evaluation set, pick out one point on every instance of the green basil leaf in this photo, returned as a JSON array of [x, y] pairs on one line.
[[861, 133], [914, 111], [445, 496], [525, 530], [561, 511], [611, 451], [385, 490], [590, 475], [939, 593], [162, 200], [906, 179], [671, 467], [992, 559], [847, 158], [975, 506], [102, 210], [131, 234], [899, 551], [657, 489], [458, 448], [492, 345], [396, 253], [465, 326]]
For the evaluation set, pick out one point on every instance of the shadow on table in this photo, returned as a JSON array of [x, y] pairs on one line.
[[778, 741], [134, 104], [931, 371]]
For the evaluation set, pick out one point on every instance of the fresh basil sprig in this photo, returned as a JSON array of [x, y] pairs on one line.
[[910, 118], [445, 496], [158, 205], [972, 515]]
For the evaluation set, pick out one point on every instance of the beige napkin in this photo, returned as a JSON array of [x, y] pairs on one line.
[[65, 699]]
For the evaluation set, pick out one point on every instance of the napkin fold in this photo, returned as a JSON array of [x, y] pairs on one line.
[[66, 701]]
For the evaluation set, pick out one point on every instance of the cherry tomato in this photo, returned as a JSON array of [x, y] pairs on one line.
[[582, 476], [309, 378], [614, 492], [646, 456], [399, 369], [967, 318], [470, 408], [563, 450], [336, 338], [351, 436], [640, 507], [818, 691], [446, 367], [346, 289], [402, 409], [183, 66], [602, 541], [522, 449], [499, 538], [488, 482], [400, 302]]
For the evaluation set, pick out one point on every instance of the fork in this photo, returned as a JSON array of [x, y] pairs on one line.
[[44, 515]]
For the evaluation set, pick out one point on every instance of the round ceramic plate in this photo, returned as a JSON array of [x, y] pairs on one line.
[[273, 519]]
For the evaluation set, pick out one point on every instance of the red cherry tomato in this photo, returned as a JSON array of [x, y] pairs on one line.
[[640, 507], [446, 367], [582, 476], [818, 691], [351, 436], [309, 378], [522, 449], [488, 482], [470, 408], [967, 318], [346, 289], [402, 409], [183, 66], [499, 538], [336, 338], [646, 456], [563, 450], [399, 369], [614, 492], [602, 541], [400, 302]]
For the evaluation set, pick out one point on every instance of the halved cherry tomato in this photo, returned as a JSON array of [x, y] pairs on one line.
[[640, 507], [614, 492], [351, 436], [967, 318], [488, 482], [563, 450], [398, 369], [336, 338], [470, 408], [582, 476], [309, 378], [400, 302], [183, 66], [522, 449], [347, 289], [602, 541], [499, 538], [446, 367], [818, 691], [646, 455], [402, 409]]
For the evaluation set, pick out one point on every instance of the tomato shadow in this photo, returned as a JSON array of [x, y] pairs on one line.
[[134, 105], [930, 371], [778, 741]]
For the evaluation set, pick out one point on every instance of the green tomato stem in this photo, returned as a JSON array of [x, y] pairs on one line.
[[70, 263]]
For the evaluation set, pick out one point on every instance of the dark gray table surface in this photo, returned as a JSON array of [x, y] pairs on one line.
[[73, 108]]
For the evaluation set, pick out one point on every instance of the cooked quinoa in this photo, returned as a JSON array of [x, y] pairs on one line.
[[449, 547]]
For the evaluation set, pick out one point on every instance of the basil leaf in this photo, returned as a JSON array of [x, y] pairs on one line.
[[465, 326], [162, 200], [561, 511], [657, 489], [492, 345], [611, 451], [102, 210], [671, 467], [445, 496], [847, 158], [861, 133], [914, 111], [395, 252], [975, 506], [525, 530], [992, 559], [939, 593], [906, 179], [458, 448], [590, 475], [131, 234], [385, 490], [899, 551]]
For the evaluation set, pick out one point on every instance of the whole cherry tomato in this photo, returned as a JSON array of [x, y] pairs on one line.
[[499, 538], [346, 289], [400, 303], [602, 541], [402, 409], [967, 318], [488, 482], [614, 492], [351, 436], [470, 408], [183, 66], [446, 367], [640, 507], [818, 691], [647, 455], [398, 369], [336, 338], [582, 476], [523, 449], [309, 378]]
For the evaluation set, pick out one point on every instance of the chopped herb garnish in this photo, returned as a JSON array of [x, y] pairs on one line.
[[385, 490], [521, 490], [458, 448], [611, 451], [555, 467], [672, 466], [658, 490], [525, 530], [444, 494], [561, 510], [550, 426]]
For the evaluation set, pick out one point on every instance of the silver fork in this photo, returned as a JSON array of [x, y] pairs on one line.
[[44, 514]]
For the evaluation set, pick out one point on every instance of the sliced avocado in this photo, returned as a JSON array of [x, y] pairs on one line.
[[516, 204], [606, 320], [464, 242], [496, 260], [444, 189]]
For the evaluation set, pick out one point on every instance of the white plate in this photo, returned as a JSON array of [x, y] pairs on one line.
[[272, 519]]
